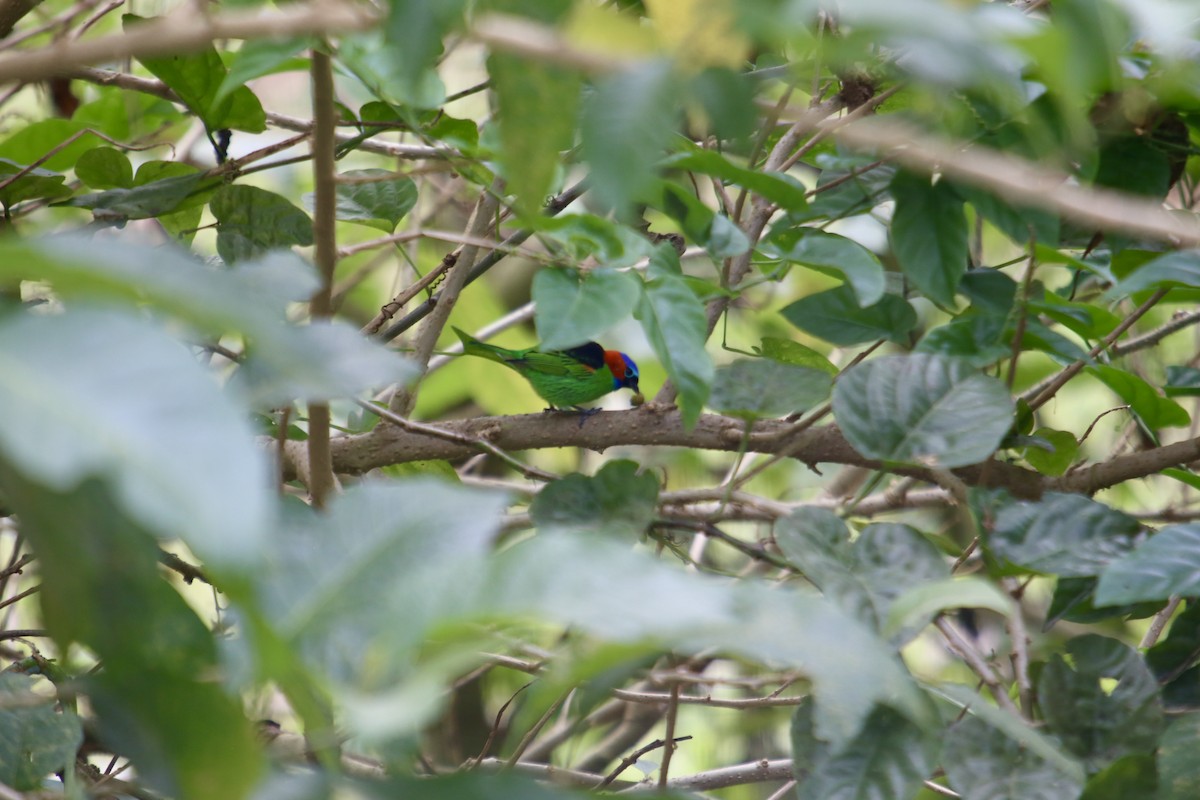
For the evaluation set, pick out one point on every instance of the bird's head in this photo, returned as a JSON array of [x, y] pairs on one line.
[[625, 372]]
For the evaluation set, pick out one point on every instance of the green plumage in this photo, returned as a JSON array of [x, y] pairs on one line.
[[561, 378]]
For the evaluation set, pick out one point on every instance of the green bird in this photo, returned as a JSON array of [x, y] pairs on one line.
[[564, 378]]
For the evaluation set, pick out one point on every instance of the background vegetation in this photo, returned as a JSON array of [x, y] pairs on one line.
[[909, 510]]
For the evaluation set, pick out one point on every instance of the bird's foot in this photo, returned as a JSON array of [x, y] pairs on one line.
[[584, 413]]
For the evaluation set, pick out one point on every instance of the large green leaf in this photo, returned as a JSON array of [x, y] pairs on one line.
[[127, 403], [33, 184], [251, 221], [781, 189], [835, 316], [413, 38], [983, 764], [888, 758], [537, 111], [675, 324], [378, 198], [37, 142], [1168, 563], [977, 338], [1062, 534], [1178, 778], [922, 409], [627, 122], [832, 254], [572, 307], [1176, 268], [929, 235], [1154, 409], [1128, 776], [105, 168], [258, 57], [197, 77], [754, 388], [618, 501], [1099, 722], [919, 604], [34, 739]]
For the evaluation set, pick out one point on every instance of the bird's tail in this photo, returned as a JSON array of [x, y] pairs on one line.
[[474, 347]]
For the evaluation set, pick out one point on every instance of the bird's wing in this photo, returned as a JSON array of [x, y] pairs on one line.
[[555, 364]]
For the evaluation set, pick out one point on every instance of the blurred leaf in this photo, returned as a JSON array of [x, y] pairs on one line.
[[1182, 382], [1176, 268], [145, 391], [699, 223], [627, 122], [252, 221], [675, 323], [319, 362], [35, 740], [1177, 775], [538, 106], [196, 77], [1166, 564], [835, 316], [1134, 164], [35, 141], [1130, 776], [413, 36], [259, 57], [1156, 411], [380, 200], [779, 188], [989, 290], [786, 351], [391, 72], [976, 338], [929, 235], [983, 764], [614, 245], [1088, 320], [1026, 737], [832, 254], [1095, 722], [105, 168], [1173, 660], [619, 501], [1056, 461], [888, 758], [755, 388], [918, 605], [573, 307], [728, 100], [1062, 534], [1017, 224], [922, 409], [150, 199]]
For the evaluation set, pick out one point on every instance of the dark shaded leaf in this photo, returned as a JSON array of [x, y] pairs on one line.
[[758, 388], [35, 740], [922, 409], [619, 501], [252, 221], [929, 235], [832, 254], [1063, 534], [983, 764], [835, 316], [1166, 564]]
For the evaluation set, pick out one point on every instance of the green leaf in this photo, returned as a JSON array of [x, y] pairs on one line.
[[34, 184], [674, 322], [781, 189], [1182, 382], [258, 57], [786, 351], [1057, 460], [619, 501], [378, 198], [983, 764], [584, 235], [389, 72], [1166, 564], [627, 122], [34, 739], [1176, 268], [1177, 775], [720, 236], [1017, 224], [755, 388], [1063, 534], [160, 188], [916, 606], [888, 758], [1026, 738], [1134, 164], [1100, 723], [318, 362], [835, 316], [196, 78], [728, 100], [1183, 476], [537, 111], [571, 307], [832, 255], [922, 409], [929, 235], [413, 36], [976, 338], [1156, 411], [989, 290], [35, 141], [105, 168], [144, 391], [252, 221], [1130, 776]]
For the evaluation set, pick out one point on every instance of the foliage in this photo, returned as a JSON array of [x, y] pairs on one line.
[[910, 512]]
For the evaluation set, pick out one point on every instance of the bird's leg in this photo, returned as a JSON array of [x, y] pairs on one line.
[[584, 413]]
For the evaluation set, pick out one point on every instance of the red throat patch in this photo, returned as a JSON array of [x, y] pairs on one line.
[[615, 364]]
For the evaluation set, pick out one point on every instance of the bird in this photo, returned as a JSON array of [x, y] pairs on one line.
[[564, 378]]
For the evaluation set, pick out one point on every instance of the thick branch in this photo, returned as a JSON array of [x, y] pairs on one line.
[[387, 444], [1128, 467]]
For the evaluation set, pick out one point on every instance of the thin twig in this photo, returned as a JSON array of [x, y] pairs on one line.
[[1159, 623], [633, 757], [975, 661], [669, 750]]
